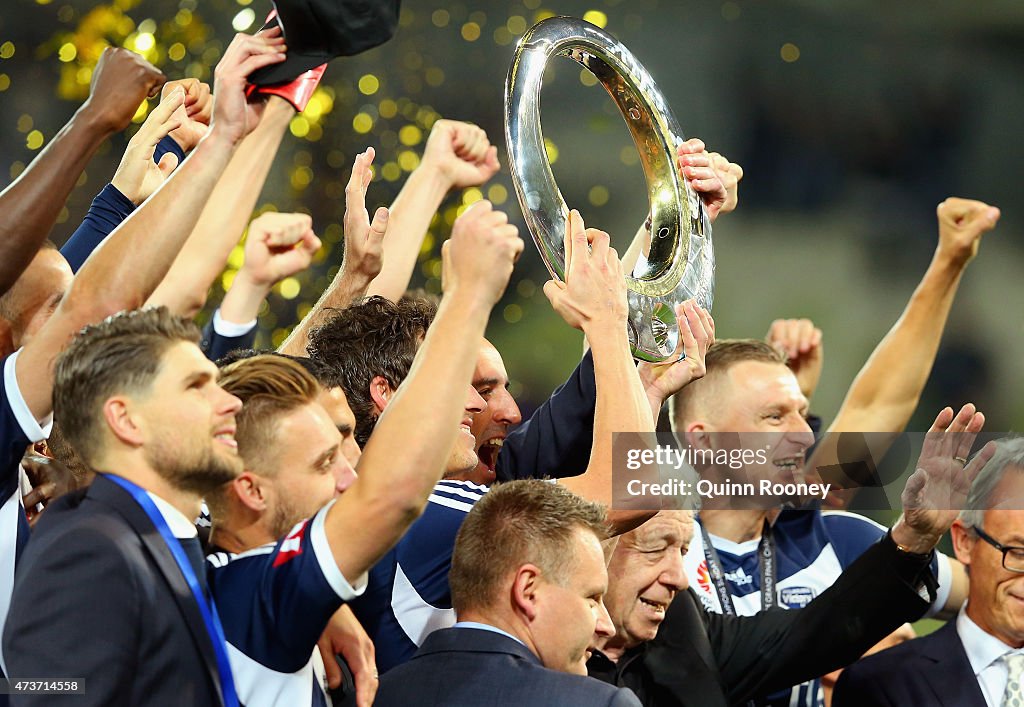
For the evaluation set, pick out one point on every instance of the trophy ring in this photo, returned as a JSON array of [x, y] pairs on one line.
[[681, 262]]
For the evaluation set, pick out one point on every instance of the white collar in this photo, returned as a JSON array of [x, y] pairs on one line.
[[982, 648], [180, 526]]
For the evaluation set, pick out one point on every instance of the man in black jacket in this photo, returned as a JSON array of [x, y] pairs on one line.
[[670, 651]]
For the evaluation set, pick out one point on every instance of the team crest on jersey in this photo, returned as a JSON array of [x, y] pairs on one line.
[[291, 546], [796, 597]]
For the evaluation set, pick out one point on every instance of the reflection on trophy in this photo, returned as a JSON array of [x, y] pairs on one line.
[[681, 262]]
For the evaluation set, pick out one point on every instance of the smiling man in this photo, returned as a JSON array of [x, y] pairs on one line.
[[670, 651], [978, 659], [751, 399], [527, 580], [140, 402]]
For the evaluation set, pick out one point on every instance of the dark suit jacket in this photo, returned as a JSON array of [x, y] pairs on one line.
[[98, 596], [216, 346], [932, 670], [470, 667], [700, 659]]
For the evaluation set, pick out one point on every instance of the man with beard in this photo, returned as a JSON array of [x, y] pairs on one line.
[[119, 567]]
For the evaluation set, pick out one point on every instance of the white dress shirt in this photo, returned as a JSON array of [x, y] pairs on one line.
[[984, 652]]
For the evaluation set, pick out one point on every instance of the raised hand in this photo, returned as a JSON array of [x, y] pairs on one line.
[[712, 176], [194, 114], [937, 490], [481, 252], [278, 246], [696, 334], [364, 239], [800, 340], [594, 291], [961, 225], [461, 153], [138, 176], [234, 116], [121, 81]]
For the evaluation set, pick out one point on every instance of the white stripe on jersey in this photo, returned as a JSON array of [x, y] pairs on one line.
[[450, 503], [472, 495], [417, 617], [480, 489], [257, 689]]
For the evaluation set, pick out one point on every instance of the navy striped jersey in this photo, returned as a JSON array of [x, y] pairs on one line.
[[813, 548], [274, 602], [18, 429], [407, 596]]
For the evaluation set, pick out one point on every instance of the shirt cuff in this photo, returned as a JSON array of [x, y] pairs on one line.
[[111, 197], [231, 329], [328, 566], [168, 144], [35, 430]]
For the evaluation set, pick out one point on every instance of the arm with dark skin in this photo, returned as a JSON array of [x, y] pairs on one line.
[[120, 82], [132, 261]]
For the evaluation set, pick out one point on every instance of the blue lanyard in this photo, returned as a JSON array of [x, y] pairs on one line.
[[206, 607]]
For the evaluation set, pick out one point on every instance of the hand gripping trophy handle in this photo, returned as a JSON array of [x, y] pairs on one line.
[[681, 263]]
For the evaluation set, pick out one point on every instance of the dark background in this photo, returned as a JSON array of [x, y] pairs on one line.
[[853, 119]]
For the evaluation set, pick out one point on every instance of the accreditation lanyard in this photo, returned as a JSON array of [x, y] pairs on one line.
[[206, 606], [766, 564]]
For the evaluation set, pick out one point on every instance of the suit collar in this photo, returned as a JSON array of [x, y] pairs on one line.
[[474, 640], [949, 676], [108, 493]]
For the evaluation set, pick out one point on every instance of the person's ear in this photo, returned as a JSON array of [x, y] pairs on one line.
[[697, 435], [380, 393], [963, 539], [117, 413], [251, 490], [526, 587]]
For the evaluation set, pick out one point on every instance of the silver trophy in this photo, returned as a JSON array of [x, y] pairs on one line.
[[681, 262]]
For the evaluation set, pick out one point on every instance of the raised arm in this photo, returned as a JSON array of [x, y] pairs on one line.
[[593, 299], [406, 454], [457, 155], [886, 391], [127, 267], [120, 82], [278, 246], [223, 219], [364, 241]]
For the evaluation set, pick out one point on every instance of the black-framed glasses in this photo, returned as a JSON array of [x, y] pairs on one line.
[[1013, 556]]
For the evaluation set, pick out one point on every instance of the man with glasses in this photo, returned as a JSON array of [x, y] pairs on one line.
[[977, 660]]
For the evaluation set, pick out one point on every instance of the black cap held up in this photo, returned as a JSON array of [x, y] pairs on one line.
[[317, 31]]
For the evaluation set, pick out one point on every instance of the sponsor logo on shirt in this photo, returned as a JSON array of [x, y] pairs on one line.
[[703, 579], [739, 577], [796, 597]]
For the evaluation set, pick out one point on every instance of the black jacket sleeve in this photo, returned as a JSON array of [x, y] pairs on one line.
[[216, 345], [779, 648], [555, 442]]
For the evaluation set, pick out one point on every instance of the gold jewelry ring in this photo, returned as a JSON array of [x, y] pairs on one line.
[[963, 462]]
